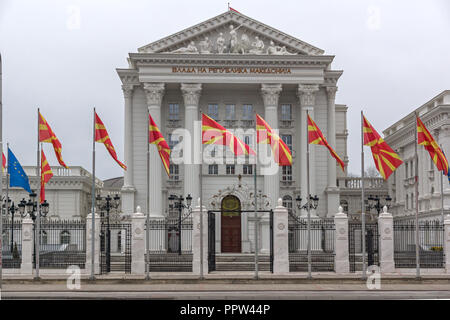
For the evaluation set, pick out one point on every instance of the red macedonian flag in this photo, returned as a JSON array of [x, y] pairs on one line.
[[425, 139], [46, 135], [101, 136], [315, 136], [3, 162], [214, 133], [386, 160], [156, 137], [280, 150], [46, 174]]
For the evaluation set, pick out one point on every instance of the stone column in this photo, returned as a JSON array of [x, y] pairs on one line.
[[196, 240], [341, 258], [270, 94], [332, 190], [155, 92], [386, 250], [89, 244], [306, 93], [128, 189], [280, 239], [191, 145], [271, 174], [446, 243], [26, 268], [138, 242]]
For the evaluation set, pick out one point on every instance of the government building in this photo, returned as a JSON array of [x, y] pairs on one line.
[[230, 67]]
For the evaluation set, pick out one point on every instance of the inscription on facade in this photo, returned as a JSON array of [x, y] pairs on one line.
[[233, 70]]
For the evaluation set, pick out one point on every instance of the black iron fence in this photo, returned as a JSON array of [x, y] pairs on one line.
[[62, 244], [355, 245], [431, 244], [12, 243], [166, 235], [322, 244]]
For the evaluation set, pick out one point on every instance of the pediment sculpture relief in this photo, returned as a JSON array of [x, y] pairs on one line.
[[233, 43]]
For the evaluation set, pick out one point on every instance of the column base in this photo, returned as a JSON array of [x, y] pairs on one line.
[[342, 266], [332, 200], [128, 199]]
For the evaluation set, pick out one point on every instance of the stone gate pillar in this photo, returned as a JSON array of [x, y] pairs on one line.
[[138, 242], [386, 249], [196, 252], [89, 244], [26, 268], [280, 239], [341, 258], [446, 243]]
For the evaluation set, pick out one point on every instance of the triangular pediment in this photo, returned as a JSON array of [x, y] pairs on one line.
[[231, 32]]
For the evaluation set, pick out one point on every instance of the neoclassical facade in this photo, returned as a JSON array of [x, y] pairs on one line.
[[230, 67], [400, 136]]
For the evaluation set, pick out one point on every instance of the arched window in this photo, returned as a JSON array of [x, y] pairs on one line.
[[287, 202], [64, 237]]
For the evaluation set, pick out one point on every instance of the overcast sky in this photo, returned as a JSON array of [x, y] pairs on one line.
[[61, 56]]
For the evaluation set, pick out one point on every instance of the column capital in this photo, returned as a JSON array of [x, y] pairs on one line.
[[306, 94], [154, 93], [271, 93], [127, 90], [191, 93], [331, 92]]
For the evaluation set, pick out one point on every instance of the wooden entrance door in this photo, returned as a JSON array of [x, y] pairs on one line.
[[231, 224]]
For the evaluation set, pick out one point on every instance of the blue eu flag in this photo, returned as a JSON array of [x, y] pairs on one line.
[[17, 177]]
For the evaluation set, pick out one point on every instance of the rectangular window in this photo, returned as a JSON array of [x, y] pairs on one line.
[[406, 170], [248, 140], [230, 168], [213, 111], [174, 111], [174, 172], [287, 173], [407, 203], [247, 112], [213, 169], [173, 140], [287, 138], [247, 169], [412, 168], [286, 112], [230, 112]]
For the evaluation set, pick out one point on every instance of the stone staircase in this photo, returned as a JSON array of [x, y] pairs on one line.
[[241, 262]]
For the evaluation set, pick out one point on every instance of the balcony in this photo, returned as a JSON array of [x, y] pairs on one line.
[[247, 123], [174, 182], [230, 123], [351, 183], [286, 124]]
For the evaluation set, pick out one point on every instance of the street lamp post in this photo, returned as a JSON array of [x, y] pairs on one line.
[[108, 203], [9, 208], [177, 203], [311, 203], [30, 208]]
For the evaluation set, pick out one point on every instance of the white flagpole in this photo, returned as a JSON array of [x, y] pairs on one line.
[[201, 197], [308, 196], [93, 204], [363, 205], [38, 207], [147, 229], [416, 189]]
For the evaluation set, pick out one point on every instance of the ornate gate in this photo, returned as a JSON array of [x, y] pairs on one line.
[[355, 245], [116, 259], [212, 236]]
